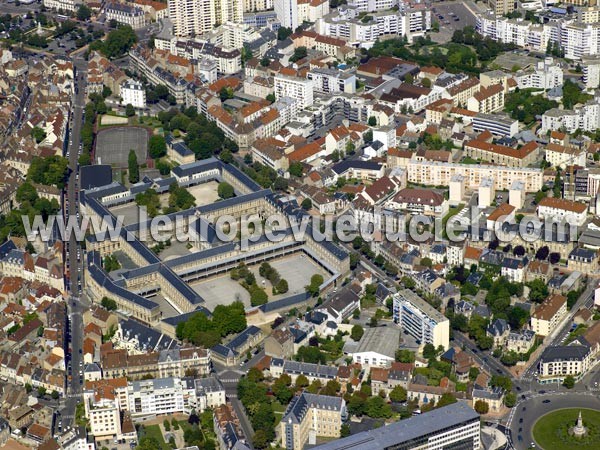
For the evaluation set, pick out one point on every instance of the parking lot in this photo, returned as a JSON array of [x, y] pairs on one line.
[[451, 16]]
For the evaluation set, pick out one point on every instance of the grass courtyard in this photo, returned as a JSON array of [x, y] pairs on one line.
[[153, 431], [550, 432]]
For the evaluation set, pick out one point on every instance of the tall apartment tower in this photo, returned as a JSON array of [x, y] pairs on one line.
[[196, 17], [287, 13], [501, 7]]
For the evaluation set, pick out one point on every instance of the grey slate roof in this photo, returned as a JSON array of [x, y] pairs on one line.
[[299, 406], [565, 353]]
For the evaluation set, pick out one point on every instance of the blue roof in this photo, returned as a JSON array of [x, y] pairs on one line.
[[234, 201], [175, 320], [241, 338], [181, 149], [6, 248], [94, 267], [242, 177], [286, 302], [196, 167]]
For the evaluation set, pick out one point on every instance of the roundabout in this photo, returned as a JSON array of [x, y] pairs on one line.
[[563, 429], [525, 415]]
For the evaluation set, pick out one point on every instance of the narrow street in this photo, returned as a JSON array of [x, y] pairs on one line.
[[75, 304]]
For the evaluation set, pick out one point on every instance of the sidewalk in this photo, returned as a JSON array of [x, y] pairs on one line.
[[497, 439]]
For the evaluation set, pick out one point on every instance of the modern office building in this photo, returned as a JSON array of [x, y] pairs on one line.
[[420, 319], [455, 427], [499, 125]]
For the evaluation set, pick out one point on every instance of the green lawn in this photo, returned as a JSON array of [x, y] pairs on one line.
[[551, 430], [206, 434], [154, 431]]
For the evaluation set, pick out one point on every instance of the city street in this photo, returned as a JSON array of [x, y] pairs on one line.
[[76, 305]]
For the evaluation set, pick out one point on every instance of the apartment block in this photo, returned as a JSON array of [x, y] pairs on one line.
[[420, 319], [372, 5], [300, 89], [133, 93], [196, 17], [591, 71], [501, 7], [558, 209], [103, 401], [547, 74], [436, 173], [487, 100], [557, 362], [548, 315], [287, 13], [585, 117], [562, 156], [329, 81]]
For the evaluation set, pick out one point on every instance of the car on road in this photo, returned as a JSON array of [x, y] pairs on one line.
[[546, 401], [542, 392], [524, 408], [520, 438], [521, 420]]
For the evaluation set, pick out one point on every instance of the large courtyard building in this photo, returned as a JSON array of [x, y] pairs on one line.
[[420, 319]]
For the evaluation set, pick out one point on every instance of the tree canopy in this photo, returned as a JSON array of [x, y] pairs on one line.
[[50, 171], [157, 147], [225, 190], [200, 330], [117, 43]]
